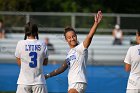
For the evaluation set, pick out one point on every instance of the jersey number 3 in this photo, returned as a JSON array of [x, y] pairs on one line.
[[33, 62]]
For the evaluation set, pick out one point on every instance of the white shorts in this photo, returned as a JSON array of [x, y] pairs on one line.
[[133, 91], [79, 86], [32, 89]]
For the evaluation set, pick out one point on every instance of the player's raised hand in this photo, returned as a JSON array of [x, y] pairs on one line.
[[98, 17]]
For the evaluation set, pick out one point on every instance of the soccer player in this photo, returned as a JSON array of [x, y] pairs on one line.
[[31, 55], [132, 64], [77, 58]]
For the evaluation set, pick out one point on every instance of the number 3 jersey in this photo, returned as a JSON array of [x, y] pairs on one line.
[[32, 53], [76, 60]]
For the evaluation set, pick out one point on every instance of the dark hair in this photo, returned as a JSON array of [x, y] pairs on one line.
[[67, 29], [31, 29], [138, 31], [1, 21]]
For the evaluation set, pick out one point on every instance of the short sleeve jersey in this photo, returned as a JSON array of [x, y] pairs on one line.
[[32, 53]]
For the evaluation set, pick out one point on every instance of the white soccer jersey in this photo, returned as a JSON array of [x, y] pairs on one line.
[[32, 53], [133, 58], [76, 60]]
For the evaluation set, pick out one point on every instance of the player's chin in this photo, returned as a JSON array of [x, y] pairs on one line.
[[73, 43]]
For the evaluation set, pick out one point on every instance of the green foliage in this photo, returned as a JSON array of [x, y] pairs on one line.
[[52, 21], [15, 5], [51, 5], [13, 20], [107, 6], [86, 22]]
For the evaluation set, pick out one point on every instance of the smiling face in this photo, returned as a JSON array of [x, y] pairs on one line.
[[71, 38]]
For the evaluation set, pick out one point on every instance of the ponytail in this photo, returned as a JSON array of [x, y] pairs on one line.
[[37, 36], [25, 37], [31, 29]]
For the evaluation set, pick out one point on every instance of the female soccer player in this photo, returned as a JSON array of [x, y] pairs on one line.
[[77, 58], [132, 64], [31, 55]]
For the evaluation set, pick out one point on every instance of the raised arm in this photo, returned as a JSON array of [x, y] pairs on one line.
[[57, 71], [97, 20]]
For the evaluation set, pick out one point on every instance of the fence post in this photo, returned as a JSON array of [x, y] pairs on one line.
[[118, 20], [27, 18], [73, 20]]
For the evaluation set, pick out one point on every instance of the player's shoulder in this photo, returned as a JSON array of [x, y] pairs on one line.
[[80, 47], [79, 44], [42, 42], [21, 41], [133, 47]]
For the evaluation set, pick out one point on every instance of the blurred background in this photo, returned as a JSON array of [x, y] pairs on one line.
[[105, 67]]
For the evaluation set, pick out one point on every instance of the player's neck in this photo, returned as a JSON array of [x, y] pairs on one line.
[[73, 46], [30, 37]]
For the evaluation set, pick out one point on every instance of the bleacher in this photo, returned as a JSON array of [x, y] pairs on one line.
[[101, 50]]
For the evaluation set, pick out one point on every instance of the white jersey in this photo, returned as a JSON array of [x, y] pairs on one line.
[[118, 34], [32, 53], [76, 60], [133, 58]]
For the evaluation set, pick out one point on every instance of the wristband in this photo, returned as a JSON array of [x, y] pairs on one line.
[[48, 75]]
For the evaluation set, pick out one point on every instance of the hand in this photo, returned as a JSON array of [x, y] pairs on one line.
[[47, 76], [98, 17]]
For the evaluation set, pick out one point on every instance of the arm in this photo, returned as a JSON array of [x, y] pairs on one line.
[[18, 61], [113, 33], [57, 71], [128, 60], [127, 67], [88, 39], [18, 53], [45, 62]]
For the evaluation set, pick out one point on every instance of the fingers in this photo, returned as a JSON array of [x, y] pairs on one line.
[[98, 17], [99, 14]]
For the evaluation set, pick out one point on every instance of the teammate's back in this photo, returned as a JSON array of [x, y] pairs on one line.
[[32, 54]]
